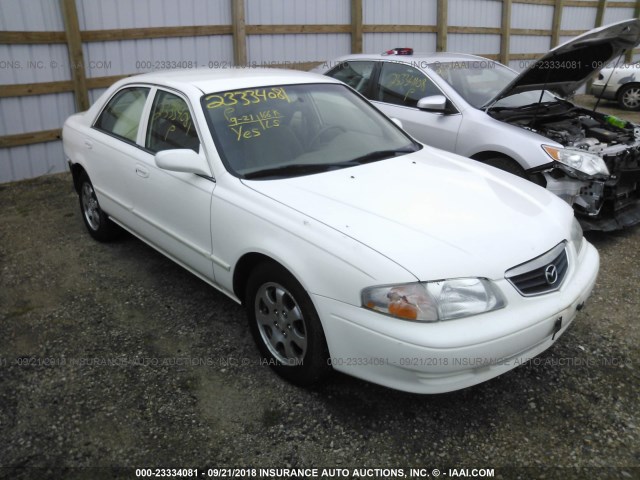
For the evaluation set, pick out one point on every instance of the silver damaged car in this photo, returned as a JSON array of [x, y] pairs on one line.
[[520, 123]]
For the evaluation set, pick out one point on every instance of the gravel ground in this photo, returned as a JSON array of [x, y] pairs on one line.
[[113, 356]]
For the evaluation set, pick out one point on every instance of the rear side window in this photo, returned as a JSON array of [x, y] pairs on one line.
[[355, 74], [404, 85], [171, 125], [121, 116]]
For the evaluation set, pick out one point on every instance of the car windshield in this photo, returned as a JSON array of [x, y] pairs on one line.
[[479, 81], [292, 130]]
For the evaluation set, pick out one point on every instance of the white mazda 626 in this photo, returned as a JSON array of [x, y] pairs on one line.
[[351, 245]]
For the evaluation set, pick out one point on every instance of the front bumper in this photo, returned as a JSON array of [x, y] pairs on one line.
[[445, 356], [623, 218], [603, 205], [620, 202]]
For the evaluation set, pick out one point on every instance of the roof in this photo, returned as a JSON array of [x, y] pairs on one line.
[[415, 57], [212, 80]]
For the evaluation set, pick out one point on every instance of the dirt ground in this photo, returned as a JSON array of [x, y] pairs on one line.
[[112, 356]]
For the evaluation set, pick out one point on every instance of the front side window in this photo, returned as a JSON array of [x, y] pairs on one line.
[[121, 117], [291, 130], [404, 85], [355, 74], [170, 124]]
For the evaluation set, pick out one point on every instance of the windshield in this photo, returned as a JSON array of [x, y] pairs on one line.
[[479, 81], [291, 130]]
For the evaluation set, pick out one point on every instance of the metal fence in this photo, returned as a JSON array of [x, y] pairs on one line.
[[58, 56]]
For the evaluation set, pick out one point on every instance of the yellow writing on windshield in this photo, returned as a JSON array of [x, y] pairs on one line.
[[247, 97], [252, 125]]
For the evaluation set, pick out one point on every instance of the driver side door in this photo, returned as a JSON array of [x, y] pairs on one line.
[[398, 88], [174, 207]]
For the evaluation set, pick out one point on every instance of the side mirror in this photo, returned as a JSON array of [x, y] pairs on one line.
[[183, 160], [436, 103], [397, 122]]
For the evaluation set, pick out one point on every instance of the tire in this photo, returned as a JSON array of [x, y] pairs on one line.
[[508, 165], [97, 222], [285, 325], [629, 97]]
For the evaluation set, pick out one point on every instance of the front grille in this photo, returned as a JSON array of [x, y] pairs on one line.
[[541, 275]]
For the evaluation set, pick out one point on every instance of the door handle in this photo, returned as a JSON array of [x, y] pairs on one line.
[[141, 171], [88, 144]]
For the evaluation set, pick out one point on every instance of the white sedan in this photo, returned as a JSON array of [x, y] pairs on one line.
[[350, 245], [483, 110], [621, 84]]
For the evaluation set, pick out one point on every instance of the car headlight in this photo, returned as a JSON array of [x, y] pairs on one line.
[[577, 236], [578, 161], [434, 301]]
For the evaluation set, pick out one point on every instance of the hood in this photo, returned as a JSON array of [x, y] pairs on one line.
[[435, 214], [566, 67]]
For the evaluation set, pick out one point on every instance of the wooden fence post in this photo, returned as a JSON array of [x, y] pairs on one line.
[[505, 40], [557, 23], [76, 57], [600, 12], [356, 26], [239, 32], [441, 27]]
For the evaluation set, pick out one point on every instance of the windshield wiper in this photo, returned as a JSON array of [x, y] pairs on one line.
[[380, 155], [293, 170], [297, 169]]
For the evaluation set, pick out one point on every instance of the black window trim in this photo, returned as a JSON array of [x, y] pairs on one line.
[[148, 86], [148, 118], [372, 79]]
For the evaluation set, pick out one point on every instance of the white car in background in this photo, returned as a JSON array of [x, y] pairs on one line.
[[349, 244], [483, 110], [621, 84]]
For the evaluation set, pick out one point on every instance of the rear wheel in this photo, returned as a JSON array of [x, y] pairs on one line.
[[96, 221], [629, 97], [285, 325]]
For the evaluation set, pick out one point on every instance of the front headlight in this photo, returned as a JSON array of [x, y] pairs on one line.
[[577, 236], [434, 301], [578, 161]]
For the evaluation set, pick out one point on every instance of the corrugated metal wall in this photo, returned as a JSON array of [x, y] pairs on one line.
[[31, 64], [403, 12], [276, 49], [36, 63], [399, 12], [131, 56], [291, 12]]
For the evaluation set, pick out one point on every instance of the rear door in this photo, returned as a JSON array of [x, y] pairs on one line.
[[358, 74], [111, 150]]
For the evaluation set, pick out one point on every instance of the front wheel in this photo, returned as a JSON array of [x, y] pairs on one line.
[[96, 221], [285, 325], [629, 97]]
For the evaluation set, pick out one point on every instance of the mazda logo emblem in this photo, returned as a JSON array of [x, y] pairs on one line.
[[551, 274]]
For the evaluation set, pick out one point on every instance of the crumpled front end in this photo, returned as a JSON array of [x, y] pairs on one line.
[[603, 204], [602, 187]]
